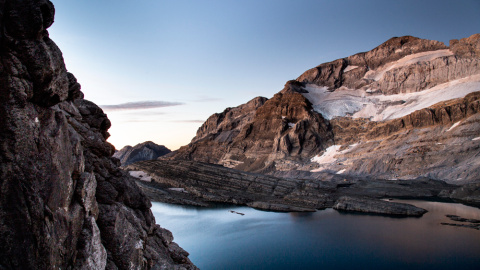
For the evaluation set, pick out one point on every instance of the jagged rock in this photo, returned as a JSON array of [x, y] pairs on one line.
[[282, 127], [466, 47], [333, 76], [64, 203], [142, 151], [365, 205]]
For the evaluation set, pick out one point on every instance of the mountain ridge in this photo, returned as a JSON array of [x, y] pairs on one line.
[[402, 85], [143, 151]]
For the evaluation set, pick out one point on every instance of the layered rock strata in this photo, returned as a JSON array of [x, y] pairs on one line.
[[199, 183], [142, 151], [64, 202]]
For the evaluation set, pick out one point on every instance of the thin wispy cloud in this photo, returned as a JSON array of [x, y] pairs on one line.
[[140, 105]]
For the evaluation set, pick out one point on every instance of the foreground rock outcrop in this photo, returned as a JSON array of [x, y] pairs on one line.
[[399, 111], [64, 202], [142, 151]]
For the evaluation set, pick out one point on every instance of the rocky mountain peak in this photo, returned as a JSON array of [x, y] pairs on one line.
[[143, 151], [466, 47], [335, 115]]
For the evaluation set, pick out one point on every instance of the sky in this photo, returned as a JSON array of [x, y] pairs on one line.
[[160, 68]]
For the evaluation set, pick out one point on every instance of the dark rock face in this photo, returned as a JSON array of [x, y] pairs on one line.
[[64, 203], [142, 151], [365, 205]]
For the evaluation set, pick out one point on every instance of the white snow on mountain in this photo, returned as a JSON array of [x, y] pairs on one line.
[[348, 68], [378, 73], [378, 107]]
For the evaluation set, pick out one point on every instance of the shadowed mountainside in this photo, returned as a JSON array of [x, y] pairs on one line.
[[142, 151]]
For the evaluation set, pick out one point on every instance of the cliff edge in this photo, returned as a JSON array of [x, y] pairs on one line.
[[64, 202]]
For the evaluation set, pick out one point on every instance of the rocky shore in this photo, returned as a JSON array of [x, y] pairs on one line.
[[203, 183]]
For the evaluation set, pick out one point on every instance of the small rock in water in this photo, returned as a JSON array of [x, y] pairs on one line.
[[235, 212]]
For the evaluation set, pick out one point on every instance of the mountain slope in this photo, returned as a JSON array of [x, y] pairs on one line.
[[142, 151], [405, 109]]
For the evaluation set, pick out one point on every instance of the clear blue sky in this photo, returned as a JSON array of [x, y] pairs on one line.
[[190, 59]]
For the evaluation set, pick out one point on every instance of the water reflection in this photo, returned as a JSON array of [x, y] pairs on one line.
[[219, 239]]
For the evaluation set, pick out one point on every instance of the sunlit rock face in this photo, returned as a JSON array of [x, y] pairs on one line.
[[407, 108], [64, 203]]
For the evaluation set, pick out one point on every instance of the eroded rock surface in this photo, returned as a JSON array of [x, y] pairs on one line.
[[64, 202]]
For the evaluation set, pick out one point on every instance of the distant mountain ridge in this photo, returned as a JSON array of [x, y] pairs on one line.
[[143, 151], [408, 108]]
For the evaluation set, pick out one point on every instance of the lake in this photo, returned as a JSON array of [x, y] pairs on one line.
[[219, 239]]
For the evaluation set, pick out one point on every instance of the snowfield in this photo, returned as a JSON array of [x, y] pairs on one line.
[[378, 107], [329, 156]]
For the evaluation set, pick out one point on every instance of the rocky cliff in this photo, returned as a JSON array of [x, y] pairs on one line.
[[407, 108], [64, 202], [142, 151]]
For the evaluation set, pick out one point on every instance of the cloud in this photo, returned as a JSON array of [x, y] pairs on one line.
[[139, 105]]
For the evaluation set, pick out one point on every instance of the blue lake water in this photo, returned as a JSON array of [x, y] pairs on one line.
[[327, 239]]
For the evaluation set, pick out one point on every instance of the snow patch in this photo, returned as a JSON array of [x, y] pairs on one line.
[[454, 125], [328, 156], [141, 175], [379, 107], [291, 125], [338, 103], [36, 120], [348, 68], [377, 74], [341, 171], [476, 139]]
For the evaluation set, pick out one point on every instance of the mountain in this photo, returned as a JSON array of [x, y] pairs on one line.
[[142, 151], [64, 201], [408, 108]]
